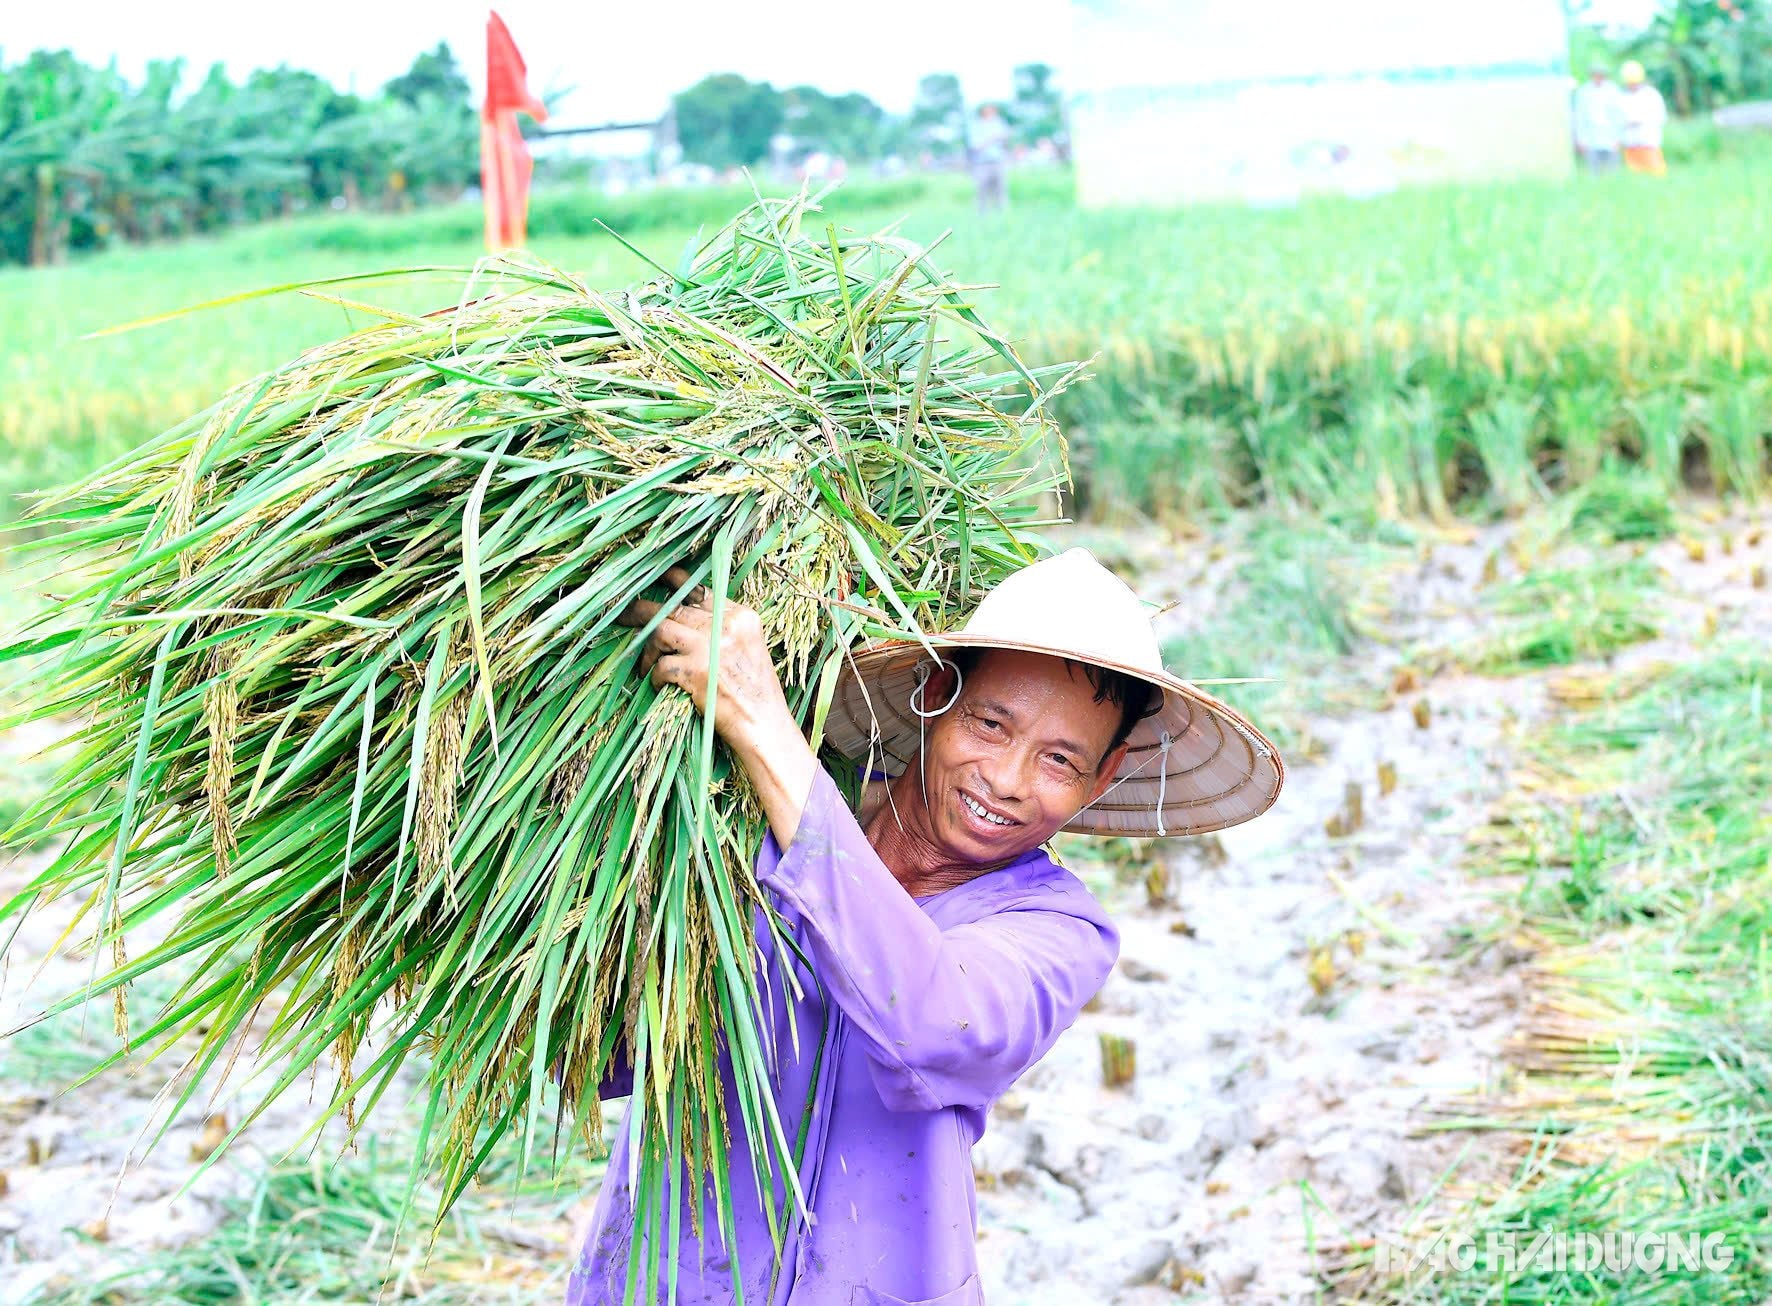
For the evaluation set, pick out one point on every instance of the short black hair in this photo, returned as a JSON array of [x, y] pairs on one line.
[[1136, 697]]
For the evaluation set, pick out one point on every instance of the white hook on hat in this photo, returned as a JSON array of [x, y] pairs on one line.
[[924, 671]]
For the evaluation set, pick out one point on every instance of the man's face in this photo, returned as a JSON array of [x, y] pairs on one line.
[[1025, 743]]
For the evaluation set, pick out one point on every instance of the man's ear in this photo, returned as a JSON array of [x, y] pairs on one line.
[[1109, 768], [939, 688]]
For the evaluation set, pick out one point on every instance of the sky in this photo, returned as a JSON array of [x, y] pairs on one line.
[[622, 61]]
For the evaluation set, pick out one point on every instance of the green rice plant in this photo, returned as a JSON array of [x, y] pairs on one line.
[[1645, 1099], [357, 708], [1152, 465], [1402, 449], [1296, 472], [1582, 417], [1386, 470], [1659, 815], [1504, 434], [1213, 310], [1432, 445], [1736, 432], [1662, 421], [1692, 737], [1556, 616], [1716, 1189]]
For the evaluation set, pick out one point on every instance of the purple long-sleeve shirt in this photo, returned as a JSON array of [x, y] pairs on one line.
[[940, 1004]]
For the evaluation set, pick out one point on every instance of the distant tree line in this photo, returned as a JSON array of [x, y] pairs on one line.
[[86, 158], [727, 121]]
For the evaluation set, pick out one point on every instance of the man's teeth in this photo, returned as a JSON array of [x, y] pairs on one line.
[[979, 809]]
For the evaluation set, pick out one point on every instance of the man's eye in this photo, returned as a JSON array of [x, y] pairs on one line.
[[986, 721], [1060, 758]]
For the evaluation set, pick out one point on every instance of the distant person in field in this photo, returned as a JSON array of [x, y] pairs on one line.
[[1598, 121], [1645, 114], [990, 159]]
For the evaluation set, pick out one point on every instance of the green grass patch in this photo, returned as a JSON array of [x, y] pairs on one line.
[[310, 1231], [1663, 805], [1720, 1192], [1646, 1051], [1622, 505], [1558, 615]]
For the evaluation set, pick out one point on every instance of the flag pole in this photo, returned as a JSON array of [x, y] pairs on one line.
[[505, 166]]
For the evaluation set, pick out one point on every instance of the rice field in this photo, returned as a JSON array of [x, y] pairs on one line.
[[1391, 356]]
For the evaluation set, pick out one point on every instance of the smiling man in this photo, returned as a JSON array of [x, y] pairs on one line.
[[941, 950]]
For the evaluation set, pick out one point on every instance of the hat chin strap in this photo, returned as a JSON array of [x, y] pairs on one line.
[[1162, 755], [924, 671]]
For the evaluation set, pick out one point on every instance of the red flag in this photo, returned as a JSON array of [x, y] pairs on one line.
[[505, 165]]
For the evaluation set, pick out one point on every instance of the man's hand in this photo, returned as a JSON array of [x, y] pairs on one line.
[[751, 701], [751, 713]]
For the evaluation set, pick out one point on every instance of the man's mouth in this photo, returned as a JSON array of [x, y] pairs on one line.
[[983, 815]]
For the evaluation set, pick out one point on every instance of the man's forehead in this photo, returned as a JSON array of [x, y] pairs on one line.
[[993, 691]]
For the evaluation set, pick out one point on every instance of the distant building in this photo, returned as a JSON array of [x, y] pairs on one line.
[[1268, 100]]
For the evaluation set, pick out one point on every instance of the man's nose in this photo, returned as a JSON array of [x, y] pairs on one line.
[[1007, 775]]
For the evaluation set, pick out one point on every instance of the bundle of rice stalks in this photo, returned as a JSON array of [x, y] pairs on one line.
[[355, 706]]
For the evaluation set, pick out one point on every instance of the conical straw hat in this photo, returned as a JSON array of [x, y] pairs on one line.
[[1218, 770]]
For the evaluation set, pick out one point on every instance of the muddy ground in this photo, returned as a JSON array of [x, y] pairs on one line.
[[1309, 1004], [1301, 1002]]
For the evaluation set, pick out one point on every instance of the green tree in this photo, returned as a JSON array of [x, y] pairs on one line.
[[1701, 54], [226, 154], [726, 120], [86, 158], [434, 78], [1037, 110], [938, 117], [851, 125], [431, 127], [67, 143]]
